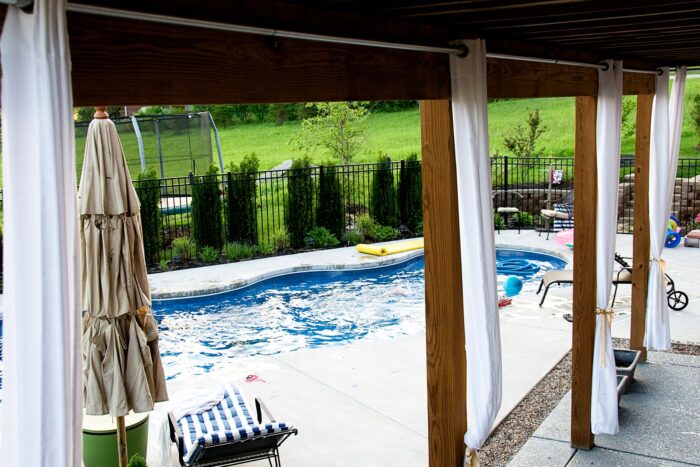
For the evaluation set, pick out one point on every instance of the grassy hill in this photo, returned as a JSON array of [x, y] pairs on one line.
[[398, 134]]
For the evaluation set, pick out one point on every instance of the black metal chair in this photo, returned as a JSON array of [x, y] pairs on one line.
[[506, 212]]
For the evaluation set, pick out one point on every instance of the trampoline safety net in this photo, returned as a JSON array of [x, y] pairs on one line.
[[173, 145]]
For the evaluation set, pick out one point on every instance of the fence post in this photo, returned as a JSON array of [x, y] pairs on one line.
[[504, 201]]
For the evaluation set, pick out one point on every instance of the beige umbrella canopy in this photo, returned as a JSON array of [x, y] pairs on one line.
[[121, 362]]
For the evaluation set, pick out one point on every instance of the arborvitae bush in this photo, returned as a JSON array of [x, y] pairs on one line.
[[148, 191], [329, 212], [206, 209], [383, 206], [411, 193], [299, 214], [241, 209]]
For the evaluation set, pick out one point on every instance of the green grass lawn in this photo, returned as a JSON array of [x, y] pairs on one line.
[[396, 134]]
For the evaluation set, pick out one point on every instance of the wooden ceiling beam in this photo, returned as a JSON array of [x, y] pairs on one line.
[[515, 79], [147, 63]]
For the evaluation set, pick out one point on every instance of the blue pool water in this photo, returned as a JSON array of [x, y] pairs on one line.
[[301, 310]]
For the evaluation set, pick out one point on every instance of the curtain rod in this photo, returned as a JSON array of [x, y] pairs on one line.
[[218, 26]]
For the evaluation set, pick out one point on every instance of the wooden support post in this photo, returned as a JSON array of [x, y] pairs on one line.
[[584, 294], [444, 320], [641, 241]]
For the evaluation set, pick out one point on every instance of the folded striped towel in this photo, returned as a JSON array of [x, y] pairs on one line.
[[229, 420]]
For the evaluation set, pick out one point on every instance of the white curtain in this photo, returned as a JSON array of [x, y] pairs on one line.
[[608, 124], [666, 124], [482, 333], [42, 393]]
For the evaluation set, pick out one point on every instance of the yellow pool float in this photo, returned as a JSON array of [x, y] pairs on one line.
[[392, 248]]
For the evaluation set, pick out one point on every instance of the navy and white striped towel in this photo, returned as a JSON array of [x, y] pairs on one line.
[[229, 420]]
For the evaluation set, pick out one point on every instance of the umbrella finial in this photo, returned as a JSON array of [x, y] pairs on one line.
[[101, 112]]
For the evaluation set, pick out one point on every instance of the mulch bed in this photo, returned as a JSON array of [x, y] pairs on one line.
[[521, 423]]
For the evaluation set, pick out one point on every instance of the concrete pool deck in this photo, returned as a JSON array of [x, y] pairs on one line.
[[365, 403], [374, 392]]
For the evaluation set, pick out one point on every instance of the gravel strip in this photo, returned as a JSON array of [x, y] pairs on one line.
[[521, 423], [676, 347]]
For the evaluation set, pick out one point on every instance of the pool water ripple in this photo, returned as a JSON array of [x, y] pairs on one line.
[[303, 310]]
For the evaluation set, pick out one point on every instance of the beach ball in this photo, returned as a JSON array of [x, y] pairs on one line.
[[564, 237], [512, 286]]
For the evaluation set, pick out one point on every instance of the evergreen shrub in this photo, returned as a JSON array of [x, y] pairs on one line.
[[206, 209], [411, 193], [383, 202], [299, 214], [329, 212], [241, 208], [148, 191]]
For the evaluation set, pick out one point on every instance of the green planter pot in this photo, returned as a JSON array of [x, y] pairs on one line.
[[100, 439]]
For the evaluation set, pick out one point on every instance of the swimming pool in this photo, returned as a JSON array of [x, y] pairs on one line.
[[302, 310]]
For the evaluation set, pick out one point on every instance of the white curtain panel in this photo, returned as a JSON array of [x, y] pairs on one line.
[[42, 393], [666, 124], [608, 125], [482, 332]]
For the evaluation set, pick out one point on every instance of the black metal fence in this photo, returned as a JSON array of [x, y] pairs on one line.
[[270, 200], [535, 184], [527, 184]]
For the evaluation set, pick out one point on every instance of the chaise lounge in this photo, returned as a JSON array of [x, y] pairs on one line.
[[226, 434]]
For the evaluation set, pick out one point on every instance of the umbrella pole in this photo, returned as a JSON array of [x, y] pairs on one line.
[[121, 442]]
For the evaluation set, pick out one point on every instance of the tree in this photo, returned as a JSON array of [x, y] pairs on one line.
[[148, 191], [206, 209], [523, 143], [329, 212], [383, 202], [338, 127], [241, 209], [299, 213], [411, 193]]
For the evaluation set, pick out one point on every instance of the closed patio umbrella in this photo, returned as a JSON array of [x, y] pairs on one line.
[[122, 369]]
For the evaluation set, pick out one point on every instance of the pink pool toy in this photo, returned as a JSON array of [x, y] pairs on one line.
[[565, 237]]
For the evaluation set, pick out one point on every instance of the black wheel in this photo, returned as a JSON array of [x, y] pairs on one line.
[[670, 286], [677, 300]]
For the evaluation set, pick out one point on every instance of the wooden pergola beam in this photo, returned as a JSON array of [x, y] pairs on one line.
[[641, 242], [444, 320], [144, 63], [584, 293]]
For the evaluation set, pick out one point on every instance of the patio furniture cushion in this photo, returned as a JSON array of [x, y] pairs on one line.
[[229, 420], [693, 234], [554, 214]]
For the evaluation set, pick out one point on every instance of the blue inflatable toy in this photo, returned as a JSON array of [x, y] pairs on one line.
[[517, 267], [512, 286], [673, 233]]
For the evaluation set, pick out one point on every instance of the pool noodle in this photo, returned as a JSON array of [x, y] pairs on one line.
[[392, 248]]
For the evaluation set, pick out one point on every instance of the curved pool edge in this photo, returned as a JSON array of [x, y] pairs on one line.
[[377, 262]]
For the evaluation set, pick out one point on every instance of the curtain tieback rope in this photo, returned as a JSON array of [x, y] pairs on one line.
[[662, 265], [607, 314], [470, 459]]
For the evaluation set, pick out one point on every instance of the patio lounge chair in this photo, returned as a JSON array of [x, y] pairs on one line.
[[676, 299], [226, 434], [566, 276], [562, 216]]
